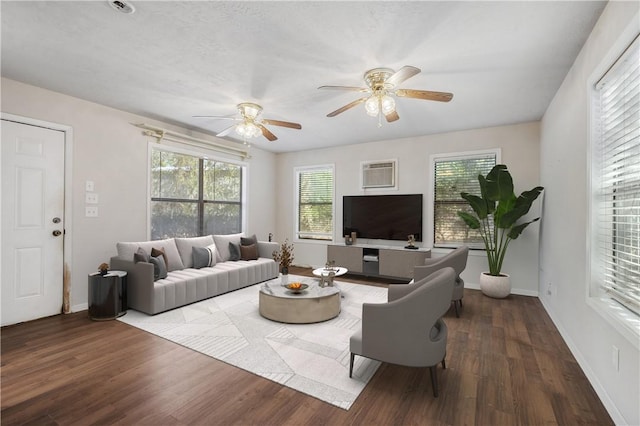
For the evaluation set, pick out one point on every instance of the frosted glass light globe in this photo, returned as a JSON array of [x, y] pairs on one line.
[[388, 104], [371, 106]]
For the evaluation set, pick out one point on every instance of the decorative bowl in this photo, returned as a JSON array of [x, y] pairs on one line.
[[296, 287]]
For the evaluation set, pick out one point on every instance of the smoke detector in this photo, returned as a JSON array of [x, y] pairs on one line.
[[122, 6]]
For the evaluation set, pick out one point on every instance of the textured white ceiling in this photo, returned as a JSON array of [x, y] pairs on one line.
[[170, 60]]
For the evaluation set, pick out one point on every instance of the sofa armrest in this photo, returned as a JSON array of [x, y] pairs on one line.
[[266, 248], [140, 294]]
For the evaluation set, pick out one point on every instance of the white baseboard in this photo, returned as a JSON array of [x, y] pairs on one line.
[[80, 307], [608, 403], [518, 291]]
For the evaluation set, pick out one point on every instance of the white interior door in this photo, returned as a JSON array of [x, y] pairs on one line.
[[32, 222]]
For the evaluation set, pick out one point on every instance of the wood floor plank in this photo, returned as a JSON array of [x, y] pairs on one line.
[[506, 364]]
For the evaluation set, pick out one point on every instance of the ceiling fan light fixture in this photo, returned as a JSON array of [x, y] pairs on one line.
[[388, 104], [248, 130], [379, 102], [371, 105]]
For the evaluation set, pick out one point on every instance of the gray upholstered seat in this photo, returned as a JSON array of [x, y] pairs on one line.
[[457, 260], [408, 330]]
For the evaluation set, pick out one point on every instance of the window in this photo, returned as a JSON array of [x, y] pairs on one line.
[[314, 195], [616, 188], [454, 174], [193, 196]]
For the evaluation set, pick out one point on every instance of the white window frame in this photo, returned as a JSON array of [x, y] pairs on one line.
[[199, 153], [619, 317], [431, 193], [296, 198]]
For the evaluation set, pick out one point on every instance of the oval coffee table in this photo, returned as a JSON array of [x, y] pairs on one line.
[[315, 304]]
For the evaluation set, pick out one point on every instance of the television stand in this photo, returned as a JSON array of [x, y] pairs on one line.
[[393, 262]]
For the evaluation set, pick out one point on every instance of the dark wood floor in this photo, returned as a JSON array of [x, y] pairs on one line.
[[506, 365]]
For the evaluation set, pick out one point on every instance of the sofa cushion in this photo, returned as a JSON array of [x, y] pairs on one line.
[[159, 267], [185, 246], [234, 252], [249, 252], [126, 250], [222, 244], [204, 257]]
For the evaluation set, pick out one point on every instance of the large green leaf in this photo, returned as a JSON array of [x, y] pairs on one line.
[[520, 208], [471, 221], [517, 230], [477, 204], [499, 185], [503, 209], [491, 205]]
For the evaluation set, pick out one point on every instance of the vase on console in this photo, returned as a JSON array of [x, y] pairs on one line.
[[284, 256]]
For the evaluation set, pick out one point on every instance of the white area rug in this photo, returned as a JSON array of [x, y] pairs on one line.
[[310, 358]]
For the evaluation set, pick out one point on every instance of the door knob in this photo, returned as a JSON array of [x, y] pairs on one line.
[[56, 220], [57, 233]]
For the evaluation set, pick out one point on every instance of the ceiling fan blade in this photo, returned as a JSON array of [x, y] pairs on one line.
[[346, 107], [217, 117], [351, 88], [266, 133], [402, 74], [424, 94], [226, 131], [392, 116], [282, 123]]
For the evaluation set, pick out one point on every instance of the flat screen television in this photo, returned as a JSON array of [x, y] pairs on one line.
[[384, 217]]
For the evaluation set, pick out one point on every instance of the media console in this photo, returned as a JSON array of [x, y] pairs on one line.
[[377, 261]]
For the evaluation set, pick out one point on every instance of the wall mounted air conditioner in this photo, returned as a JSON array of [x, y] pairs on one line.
[[379, 174]]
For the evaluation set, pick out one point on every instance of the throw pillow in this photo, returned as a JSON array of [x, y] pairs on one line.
[[140, 256], [247, 241], [186, 244], [249, 252], [222, 244], [160, 252], [234, 251], [204, 257], [159, 268]]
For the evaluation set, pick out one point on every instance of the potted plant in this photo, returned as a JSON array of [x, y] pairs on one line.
[[103, 268], [284, 256], [497, 210]]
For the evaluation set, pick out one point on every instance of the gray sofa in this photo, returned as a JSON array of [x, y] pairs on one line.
[[185, 284]]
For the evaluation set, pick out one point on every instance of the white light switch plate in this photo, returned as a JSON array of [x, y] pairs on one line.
[[91, 198], [89, 186], [91, 211]]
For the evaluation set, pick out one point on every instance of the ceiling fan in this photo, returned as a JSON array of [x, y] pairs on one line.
[[250, 124], [381, 86]]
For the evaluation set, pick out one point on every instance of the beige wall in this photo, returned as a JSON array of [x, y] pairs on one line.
[[520, 149], [113, 154], [564, 159]]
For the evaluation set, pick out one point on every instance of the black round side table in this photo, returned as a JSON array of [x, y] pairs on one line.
[[107, 295]]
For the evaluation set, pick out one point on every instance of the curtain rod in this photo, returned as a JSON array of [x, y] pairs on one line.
[[169, 135]]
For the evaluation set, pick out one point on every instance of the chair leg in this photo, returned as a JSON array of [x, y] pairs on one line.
[[351, 364], [444, 364], [434, 380], [460, 302], [455, 305]]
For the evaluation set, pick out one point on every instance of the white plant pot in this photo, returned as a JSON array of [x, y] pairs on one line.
[[492, 286]]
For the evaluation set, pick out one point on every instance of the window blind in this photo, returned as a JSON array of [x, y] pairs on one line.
[[618, 149], [453, 176], [315, 204]]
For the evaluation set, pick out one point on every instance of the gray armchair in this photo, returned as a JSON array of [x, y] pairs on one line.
[[457, 260], [409, 330]]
